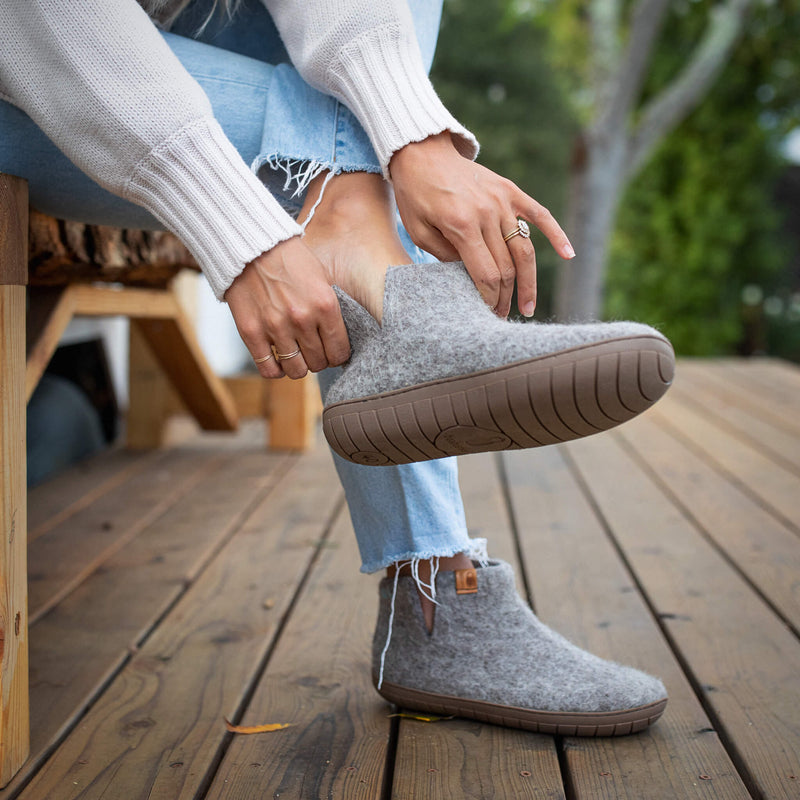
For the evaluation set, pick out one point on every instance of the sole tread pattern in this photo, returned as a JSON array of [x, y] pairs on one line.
[[531, 403]]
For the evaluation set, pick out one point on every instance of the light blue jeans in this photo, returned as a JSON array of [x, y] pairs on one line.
[[288, 132]]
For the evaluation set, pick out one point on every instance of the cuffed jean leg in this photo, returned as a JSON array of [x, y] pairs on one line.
[[400, 513]]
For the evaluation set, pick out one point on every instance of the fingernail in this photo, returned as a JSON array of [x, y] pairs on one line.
[[527, 309], [568, 251]]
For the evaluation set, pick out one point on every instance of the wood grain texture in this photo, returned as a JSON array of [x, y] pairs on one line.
[[703, 391], [769, 482], [776, 377], [66, 251], [49, 317], [175, 346], [753, 384], [63, 495], [657, 544], [14, 721], [13, 231], [763, 548], [106, 301], [458, 759], [158, 728], [488, 514], [72, 550], [318, 680], [719, 625], [294, 408], [151, 397], [582, 589], [13, 527], [86, 639], [168, 332]]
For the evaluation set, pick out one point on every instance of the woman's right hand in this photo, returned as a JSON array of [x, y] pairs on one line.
[[283, 299]]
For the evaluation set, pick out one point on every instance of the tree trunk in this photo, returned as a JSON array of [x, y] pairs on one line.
[[596, 183], [609, 154]]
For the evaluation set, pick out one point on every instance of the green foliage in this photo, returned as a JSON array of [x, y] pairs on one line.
[[698, 227], [491, 72], [699, 224]]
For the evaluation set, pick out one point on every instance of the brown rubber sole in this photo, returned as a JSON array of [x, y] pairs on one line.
[[556, 723], [540, 401]]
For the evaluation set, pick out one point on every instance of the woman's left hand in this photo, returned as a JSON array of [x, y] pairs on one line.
[[456, 209]]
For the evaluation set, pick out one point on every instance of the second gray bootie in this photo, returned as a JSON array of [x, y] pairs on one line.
[[445, 376], [490, 658]]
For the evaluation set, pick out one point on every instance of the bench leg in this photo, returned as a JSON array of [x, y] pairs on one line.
[[14, 716], [294, 408], [151, 397]]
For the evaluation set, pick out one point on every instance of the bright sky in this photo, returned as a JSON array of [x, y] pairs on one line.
[[792, 146]]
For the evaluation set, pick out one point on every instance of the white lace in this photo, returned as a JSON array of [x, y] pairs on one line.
[[476, 552]]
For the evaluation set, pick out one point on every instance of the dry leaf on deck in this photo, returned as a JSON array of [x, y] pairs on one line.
[[273, 726], [420, 717]]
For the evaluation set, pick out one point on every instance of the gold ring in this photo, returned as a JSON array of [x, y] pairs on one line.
[[262, 359], [522, 229], [284, 356]]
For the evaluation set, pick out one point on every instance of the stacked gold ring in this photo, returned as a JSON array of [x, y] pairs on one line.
[[285, 356], [522, 229]]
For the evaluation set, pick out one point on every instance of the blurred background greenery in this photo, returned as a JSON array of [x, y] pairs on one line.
[[705, 241]]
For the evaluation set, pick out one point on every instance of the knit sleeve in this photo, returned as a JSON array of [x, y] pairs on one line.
[[100, 81], [365, 53]]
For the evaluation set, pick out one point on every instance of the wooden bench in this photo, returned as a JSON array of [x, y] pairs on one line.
[[49, 273]]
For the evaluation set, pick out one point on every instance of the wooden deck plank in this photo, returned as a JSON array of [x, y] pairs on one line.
[[85, 640], [463, 760], [75, 488], [768, 482], [582, 588], [747, 385], [763, 549], [775, 375], [721, 628], [663, 539], [318, 680], [68, 553], [157, 730], [480, 478], [706, 393]]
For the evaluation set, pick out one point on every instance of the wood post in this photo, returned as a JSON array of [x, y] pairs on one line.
[[294, 408], [151, 397], [14, 716]]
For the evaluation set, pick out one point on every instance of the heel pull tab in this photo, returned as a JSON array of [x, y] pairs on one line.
[[466, 580]]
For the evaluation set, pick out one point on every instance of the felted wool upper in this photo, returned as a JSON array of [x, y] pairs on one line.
[[436, 325], [490, 646]]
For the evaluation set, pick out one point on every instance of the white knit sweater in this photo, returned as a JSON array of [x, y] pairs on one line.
[[102, 84]]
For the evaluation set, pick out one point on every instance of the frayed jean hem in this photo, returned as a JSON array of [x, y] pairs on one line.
[[475, 549], [289, 176]]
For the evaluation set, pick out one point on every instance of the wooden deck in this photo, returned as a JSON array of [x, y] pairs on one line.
[[173, 589]]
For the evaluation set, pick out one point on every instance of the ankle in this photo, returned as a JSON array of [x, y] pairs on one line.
[[445, 564], [353, 232]]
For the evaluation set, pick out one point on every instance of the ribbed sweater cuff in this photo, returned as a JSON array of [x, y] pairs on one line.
[[200, 188], [382, 78]]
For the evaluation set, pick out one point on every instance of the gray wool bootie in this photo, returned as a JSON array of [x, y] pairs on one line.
[[489, 658], [445, 376]]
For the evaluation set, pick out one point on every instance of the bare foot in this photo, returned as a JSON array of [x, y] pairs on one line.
[[446, 564], [353, 233]]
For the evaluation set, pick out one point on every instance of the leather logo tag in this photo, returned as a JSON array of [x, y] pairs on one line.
[[466, 581]]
